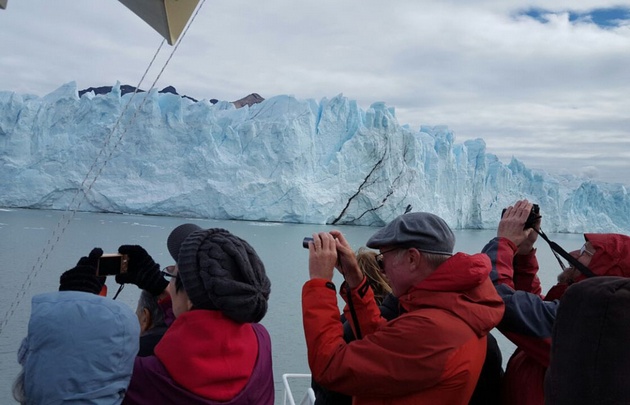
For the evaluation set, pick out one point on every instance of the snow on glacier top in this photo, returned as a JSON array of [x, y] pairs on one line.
[[283, 159]]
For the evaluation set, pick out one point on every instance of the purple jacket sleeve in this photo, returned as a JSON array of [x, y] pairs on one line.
[[528, 320]]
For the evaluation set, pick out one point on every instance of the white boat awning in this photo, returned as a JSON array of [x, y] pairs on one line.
[[168, 17]]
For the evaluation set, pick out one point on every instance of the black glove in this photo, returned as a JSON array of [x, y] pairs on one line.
[[141, 270], [83, 276], [92, 259]]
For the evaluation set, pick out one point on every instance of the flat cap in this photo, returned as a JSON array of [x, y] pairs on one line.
[[421, 230]]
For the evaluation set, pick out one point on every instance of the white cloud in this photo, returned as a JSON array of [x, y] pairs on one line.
[[552, 94], [590, 172]]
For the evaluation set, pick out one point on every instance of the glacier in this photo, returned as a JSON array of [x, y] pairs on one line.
[[281, 160]]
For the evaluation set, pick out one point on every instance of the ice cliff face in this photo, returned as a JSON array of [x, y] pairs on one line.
[[284, 160]]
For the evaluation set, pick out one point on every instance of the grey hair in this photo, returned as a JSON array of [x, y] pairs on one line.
[[435, 259], [18, 389], [150, 302]]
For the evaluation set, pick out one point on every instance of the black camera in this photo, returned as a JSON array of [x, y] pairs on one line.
[[306, 241], [534, 214]]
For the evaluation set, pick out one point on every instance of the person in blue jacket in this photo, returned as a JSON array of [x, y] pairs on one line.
[[530, 316], [80, 347]]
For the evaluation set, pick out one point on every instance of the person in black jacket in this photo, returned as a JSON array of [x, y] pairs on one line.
[[590, 355]]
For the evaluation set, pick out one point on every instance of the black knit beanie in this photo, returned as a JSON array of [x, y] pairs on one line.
[[222, 271], [81, 278], [177, 236]]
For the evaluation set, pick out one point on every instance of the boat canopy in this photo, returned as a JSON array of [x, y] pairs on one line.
[[167, 17]]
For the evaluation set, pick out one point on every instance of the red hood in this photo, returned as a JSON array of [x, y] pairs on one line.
[[459, 273], [209, 354], [612, 254], [462, 286]]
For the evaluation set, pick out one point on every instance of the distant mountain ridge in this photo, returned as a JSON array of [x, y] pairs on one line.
[[249, 100]]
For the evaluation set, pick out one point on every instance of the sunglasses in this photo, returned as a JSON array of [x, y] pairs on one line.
[[379, 258], [583, 250], [167, 273], [559, 252]]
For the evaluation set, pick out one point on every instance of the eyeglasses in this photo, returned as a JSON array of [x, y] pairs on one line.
[[583, 250], [379, 258], [167, 273]]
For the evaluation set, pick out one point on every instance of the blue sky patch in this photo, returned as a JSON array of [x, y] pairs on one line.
[[603, 17]]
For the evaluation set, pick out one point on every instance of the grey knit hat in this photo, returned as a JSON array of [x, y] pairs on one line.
[[222, 271], [421, 230]]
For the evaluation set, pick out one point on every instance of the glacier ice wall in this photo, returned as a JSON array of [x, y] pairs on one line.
[[284, 159]]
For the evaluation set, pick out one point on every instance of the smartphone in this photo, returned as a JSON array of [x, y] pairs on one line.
[[111, 264]]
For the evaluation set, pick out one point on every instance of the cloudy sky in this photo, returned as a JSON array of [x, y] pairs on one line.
[[550, 86]]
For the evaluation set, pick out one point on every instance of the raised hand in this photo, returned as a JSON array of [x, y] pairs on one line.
[[141, 270], [528, 244], [513, 221], [92, 259], [322, 256], [83, 276], [347, 262]]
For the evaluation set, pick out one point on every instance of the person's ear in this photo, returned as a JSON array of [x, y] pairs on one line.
[[414, 257], [145, 320]]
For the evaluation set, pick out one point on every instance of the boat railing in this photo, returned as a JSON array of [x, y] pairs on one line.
[[309, 396]]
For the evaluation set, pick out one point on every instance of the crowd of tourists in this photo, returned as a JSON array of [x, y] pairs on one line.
[[416, 327]]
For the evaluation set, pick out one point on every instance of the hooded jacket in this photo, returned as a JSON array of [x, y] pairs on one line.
[[529, 316], [80, 349], [206, 358], [433, 353]]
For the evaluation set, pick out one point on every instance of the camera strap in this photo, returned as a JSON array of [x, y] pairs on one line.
[[557, 250], [119, 291], [353, 312]]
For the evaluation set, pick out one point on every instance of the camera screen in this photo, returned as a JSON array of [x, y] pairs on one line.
[[110, 265]]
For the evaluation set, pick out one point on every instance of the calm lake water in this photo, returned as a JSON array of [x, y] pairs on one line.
[[27, 242]]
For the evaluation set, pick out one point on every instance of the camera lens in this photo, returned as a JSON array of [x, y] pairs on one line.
[[306, 241], [534, 214]]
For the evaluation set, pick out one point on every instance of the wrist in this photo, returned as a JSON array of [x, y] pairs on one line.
[[525, 250], [159, 288], [354, 280], [509, 243]]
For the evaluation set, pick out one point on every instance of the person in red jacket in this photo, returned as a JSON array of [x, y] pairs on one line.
[[530, 316], [434, 351]]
